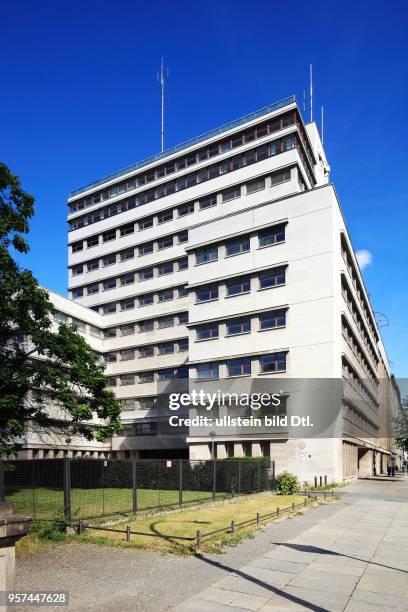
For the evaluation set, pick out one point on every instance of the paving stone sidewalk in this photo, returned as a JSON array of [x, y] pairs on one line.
[[355, 560]]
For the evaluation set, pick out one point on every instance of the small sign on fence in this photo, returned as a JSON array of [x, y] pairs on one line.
[[168, 463]]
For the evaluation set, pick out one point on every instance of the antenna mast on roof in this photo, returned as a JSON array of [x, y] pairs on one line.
[[311, 93], [164, 73]]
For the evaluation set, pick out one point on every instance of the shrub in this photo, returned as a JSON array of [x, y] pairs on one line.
[[286, 483]]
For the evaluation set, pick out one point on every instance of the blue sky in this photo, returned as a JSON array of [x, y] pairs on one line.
[[80, 100]]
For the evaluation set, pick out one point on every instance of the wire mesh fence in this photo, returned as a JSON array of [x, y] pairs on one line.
[[87, 488]]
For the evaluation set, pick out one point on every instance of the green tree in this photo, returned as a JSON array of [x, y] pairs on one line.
[[401, 426], [38, 365]]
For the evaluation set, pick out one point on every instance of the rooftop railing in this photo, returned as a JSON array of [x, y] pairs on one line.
[[187, 144]]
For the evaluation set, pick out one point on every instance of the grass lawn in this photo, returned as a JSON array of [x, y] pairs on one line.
[[186, 522], [47, 503]]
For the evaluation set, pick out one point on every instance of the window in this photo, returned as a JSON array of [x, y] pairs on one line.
[[110, 357], [145, 274], [272, 278], [125, 230], [92, 241], [240, 284], [110, 333], [111, 382], [146, 351], [165, 243], [60, 317], [208, 202], [166, 215], [183, 318], [127, 304], [254, 186], [288, 143], [167, 374], [239, 367], [231, 194], [127, 330], [272, 235], [182, 292], [109, 308], [280, 177], [165, 268], [271, 319], [238, 326], [205, 332], [275, 362], [127, 279], [77, 270], [77, 246], [145, 326], [146, 377], [206, 293], [166, 295], [183, 345], [109, 260], [127, 379], [166, 348], [144, 249], [183, 264], [127, 354], [93, 265], [146, 299], [92, 289], [107, 236], [207, 371], [182, 372], [206, 255], [183, 237], [146, 429], [187, 209], [109, 284], [147, 403], [145, 223], [126, 255], [236, 141], [165, 322], [239, 245], [127, 404]]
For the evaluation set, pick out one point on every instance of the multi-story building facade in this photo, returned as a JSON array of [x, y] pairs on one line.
[[225, 257]]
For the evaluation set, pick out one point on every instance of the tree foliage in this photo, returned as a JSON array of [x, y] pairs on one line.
[[39, 365], [401, 426]]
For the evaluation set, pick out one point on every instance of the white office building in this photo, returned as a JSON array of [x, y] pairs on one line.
[[226, 257]]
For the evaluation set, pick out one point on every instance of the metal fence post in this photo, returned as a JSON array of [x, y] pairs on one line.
[[198, 539], [128, 533], [214, 477], [232, 527], [134, 482], [67, 487], [239, 476], [258, 518], [180, 482], [2, 483]]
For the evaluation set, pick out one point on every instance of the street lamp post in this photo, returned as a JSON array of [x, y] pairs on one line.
[[213, 435]]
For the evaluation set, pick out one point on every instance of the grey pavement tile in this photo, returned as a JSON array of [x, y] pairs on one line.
[[196, 604], [380, 599], [298, 598], [232, 598], [325, 581], [290, 554], [267, 576], [243, 585], [384, 580], [343, 569], [278, 564]]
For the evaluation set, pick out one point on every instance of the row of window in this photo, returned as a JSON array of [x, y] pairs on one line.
[[146, 299], [271, 319], [163, 269], [242, 366], [185, 161], [147, 325], [355, 313], [238, 285], [356, 349], [148, 377], [229, 165], [358, 384], [151, 350], [181, 211], [267, 237]]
